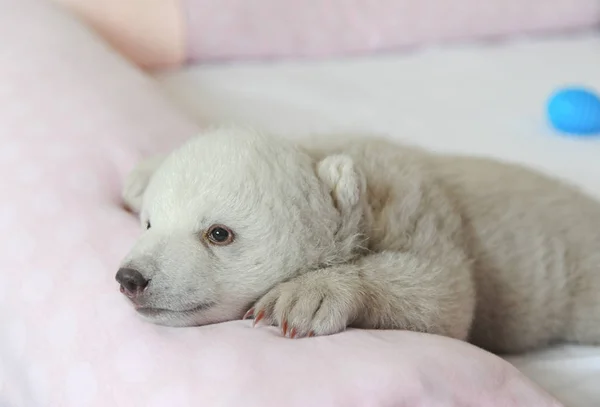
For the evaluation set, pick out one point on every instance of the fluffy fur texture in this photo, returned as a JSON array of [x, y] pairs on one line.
[[362, 232]]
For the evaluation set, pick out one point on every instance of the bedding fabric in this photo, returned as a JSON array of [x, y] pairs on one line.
[[160, 33], [318, 28]]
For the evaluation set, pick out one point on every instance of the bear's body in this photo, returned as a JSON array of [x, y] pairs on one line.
[[362, 232]]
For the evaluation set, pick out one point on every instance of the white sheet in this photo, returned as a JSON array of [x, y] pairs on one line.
[[487, 100]]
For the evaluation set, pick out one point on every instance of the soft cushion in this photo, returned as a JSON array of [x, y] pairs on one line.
[[160, 33], [74, 120]]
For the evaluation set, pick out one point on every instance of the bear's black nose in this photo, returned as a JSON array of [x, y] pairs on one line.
[[131, 280]]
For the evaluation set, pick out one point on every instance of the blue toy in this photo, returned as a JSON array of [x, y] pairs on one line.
[[575, 111]]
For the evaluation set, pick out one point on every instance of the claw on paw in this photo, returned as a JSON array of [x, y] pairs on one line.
[[248, 313], [259, 316], [293, 333], [284, 328]]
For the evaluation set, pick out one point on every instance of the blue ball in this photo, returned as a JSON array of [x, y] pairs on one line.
[[575, 111]]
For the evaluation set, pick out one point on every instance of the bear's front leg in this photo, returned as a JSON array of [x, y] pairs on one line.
[[390, 290], [320, 302]]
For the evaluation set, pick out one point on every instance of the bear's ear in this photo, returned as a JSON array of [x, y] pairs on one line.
[[345, 182], [137, 181]]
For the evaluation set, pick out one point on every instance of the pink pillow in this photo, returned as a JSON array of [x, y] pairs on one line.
[[160, 33], [319, 28], [73, 120]]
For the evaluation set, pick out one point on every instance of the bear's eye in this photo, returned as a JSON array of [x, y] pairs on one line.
[[219, 235], [148, 225]]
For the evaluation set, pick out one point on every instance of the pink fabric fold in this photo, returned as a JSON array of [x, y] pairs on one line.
[[233, 29]]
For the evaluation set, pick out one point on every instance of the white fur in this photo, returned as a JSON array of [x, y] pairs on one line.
[[362, 232]]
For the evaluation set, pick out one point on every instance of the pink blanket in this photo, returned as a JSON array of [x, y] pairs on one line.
[[73, 120], [158, 33]]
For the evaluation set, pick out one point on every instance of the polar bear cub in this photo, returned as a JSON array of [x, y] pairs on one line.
[[352, 231]]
